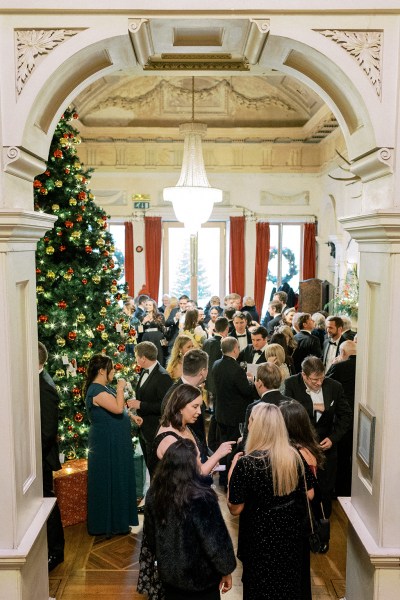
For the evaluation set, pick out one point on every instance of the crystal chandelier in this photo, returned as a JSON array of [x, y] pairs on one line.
[[193, 198]]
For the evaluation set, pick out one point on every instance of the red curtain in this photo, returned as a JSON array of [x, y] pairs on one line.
[[261, 269], [309, 256], [152, 247], [129, 266], [236, 256]]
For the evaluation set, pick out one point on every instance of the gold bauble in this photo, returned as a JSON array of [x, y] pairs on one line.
[[96, 278], [39, 289], [100, 242], [55, 207], [113, 289], [77, 165], [59, 374], [86, 356], [73, 202], [103, 311], [81, 318], [58, 183], [76, 235], [125, 326], [60, 342], [50, 250], [104, 336], [67, 276], [50, 275]]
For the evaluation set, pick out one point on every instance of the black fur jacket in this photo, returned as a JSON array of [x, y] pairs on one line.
[[193, 549]]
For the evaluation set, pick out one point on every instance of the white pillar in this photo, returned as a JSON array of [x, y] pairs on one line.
[[373, 552]]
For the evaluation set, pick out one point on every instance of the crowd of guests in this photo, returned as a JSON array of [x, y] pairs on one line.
[[278, 396]]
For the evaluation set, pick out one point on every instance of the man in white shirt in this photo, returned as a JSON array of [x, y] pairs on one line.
[[334, 330]]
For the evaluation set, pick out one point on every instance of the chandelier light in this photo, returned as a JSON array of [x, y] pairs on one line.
[[193, 197]]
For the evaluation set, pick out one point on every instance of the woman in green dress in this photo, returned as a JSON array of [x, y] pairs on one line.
[[111, 473]]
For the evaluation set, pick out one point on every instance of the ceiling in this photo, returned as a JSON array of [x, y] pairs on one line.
[[234, 93]]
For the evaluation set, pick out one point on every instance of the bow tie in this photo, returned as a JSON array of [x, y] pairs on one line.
[[258, 352], [145, 371], [332, 343], [243, 335]]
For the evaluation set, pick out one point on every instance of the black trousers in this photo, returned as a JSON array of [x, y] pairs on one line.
[[226, 433], [55, 531], [326, 479]]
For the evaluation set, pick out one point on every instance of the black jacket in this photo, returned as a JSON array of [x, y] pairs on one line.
[[345, 373], [49, 400], [213, 348], [307, 345], [193, 548], [151, 395], [272, 397], [233, 391]]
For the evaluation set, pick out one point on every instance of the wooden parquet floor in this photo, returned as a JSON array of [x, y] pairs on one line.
[[100, 569]]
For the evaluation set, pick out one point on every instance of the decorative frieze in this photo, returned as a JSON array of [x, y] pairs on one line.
[[365, 47], [31, 43]]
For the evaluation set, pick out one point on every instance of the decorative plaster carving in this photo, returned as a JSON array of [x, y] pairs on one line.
[[263, 25], [135, 24], [374, 165], [157, 64], [365, 47], [22, 164], [111, 197], [268, 199], [30, 43]]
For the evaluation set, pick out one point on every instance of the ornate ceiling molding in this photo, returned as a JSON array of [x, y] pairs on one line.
[[365, 47], [31, 43], [196, 62]]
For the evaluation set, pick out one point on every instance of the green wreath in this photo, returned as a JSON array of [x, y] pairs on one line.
[[290, 257]]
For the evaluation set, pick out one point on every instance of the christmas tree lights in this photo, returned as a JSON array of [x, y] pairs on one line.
[[77, 285]]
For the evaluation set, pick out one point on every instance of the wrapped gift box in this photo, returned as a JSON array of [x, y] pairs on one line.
[[70, 486]]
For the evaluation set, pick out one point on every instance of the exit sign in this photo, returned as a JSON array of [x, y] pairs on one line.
[[142, 205]]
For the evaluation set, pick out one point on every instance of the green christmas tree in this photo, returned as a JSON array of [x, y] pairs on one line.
[[77, 285], [181, 284]]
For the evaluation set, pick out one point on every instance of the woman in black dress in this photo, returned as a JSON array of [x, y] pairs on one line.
[[154, 328], [263, 488], [185, 531]]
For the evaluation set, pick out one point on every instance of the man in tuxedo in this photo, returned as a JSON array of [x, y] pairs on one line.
[[153, 384], [49, 401], [267, 383], [255, 352], [329, 412], [176, 319], [240, 331], [275, 311], [307, 344], [281, 297], [140, 313], [334, 330], [194, 372], [234, 392], [344, 370], [347, 333]]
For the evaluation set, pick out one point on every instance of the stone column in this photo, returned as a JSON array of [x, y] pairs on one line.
[[23, 544], [373, 552]]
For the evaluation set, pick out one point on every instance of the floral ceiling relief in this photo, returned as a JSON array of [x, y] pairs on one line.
[[365, 47], [31, 43]]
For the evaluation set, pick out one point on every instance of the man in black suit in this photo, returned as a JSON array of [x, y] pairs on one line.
[[176, 319], [234, 392], [255, 352], [329, 413], [240, 331], [347, 333], [153, 384], [194, 372], [49, 401], [212, 347], [344, 371], [275, 311], [307, 344], [267, 383], [334, 330]]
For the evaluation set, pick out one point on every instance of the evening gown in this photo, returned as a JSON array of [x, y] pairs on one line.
[[111, 472], [270, 532]]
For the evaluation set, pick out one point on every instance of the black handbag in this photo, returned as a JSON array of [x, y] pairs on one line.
[[320, 529]]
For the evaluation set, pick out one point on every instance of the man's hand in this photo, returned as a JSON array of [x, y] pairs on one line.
[[326, 444], [133, 403]]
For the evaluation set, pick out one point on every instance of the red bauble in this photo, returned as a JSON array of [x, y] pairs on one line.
[[132, 332], [118, 296], [105, 267], [67, 171], [57, 154], [111, 264], [118, 366], [78, 417], [100, 327], [82, 196], [138, 369], [108, 301], [121, 347], [75, 116], [105, 253], [43, 318], [88, 249], [90, 344], [83, 208], [76, 392], [84, 281], [76, 435], [62, 248], [59, 233], [70, 427], [38, 271], [70, 271], [47, 173], [79, 218], [62, 304], [37, 183], [68, 224], [82, 369], [72, 335], [46, 239], [114, 282]]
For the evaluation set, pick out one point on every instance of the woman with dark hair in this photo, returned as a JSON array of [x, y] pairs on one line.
[[303, 437], [182, 410], [263, 488], [192, 328], [111, 471], [185, 531], [154, 328]]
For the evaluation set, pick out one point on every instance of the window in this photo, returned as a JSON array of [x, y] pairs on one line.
[[284, 259], [181, 274]]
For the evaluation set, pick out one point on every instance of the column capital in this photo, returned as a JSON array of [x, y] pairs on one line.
[[374, 165], [20, 230], [375, 232]]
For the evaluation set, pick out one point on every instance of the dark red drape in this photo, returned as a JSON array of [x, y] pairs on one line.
[[309, 257], [236, 256], [129, 266], [152, 248], [261, 268]]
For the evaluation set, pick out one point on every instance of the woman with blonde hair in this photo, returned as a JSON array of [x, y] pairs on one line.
[[192, 328], [182, 344], [173, 303], [263, 487], [274, 353], [289, 335]]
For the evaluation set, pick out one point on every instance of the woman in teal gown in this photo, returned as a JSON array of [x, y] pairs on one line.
[[111, 473]]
